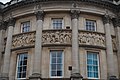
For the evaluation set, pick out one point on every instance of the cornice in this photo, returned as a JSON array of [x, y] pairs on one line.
[[100, 3]]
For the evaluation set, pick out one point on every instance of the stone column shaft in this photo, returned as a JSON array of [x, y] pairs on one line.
[[38, 47], [75, 45], [109, 48], [116, 22], [1, 46], [7, 54]]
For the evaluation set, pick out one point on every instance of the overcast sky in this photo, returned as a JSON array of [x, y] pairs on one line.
[[4, 1]]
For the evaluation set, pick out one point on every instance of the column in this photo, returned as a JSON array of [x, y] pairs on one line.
[[38, 47], [1, 42], [7, 53], [109, 48], [75, 45], [116, 23]]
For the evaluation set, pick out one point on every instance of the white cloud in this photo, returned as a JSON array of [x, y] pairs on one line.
[[4, 1]]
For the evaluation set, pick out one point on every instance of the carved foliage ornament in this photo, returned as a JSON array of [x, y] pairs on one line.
[[3, 25], [39, 15], [106, 19], [116, 21], [75, 13], [11, 22]]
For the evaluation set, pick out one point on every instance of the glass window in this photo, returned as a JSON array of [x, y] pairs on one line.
[[57, 23], [90, 25], [22, 66], [56, 63], [92, 65], [25, 26]]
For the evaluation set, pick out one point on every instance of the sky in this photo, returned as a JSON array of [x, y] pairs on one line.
[[4, 1]]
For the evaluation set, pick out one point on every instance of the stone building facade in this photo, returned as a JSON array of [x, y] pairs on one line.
[[60, 40]]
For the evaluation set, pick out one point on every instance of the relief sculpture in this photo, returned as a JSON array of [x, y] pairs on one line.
[[56, 37], [59, 37], [89, 38], [21, 40]]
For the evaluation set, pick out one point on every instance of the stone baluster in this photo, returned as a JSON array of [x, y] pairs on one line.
[[38, 47], [8, 46], [75, 45], [109, 48]]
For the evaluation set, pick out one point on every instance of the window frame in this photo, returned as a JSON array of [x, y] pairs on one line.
[[95, 24], [56, 19], [21, 26], [98, 59], [50, 74], [17, 66]]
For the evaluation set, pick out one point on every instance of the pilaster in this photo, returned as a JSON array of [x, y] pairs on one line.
[[7, 54], [75, 45], [109, 48], [38, 47]]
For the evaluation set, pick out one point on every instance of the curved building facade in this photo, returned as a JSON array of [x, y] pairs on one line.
[[60, 40]]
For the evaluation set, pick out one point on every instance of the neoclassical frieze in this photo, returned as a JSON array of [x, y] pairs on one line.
[[23, 40], [61, 37], [56, 37], [91, 38]]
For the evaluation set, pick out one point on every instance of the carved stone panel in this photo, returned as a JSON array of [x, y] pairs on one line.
[[22, 40], [59, 37], [91, 38], [56, 37]]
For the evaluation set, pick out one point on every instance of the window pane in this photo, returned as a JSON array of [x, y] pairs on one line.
[[57, 23], [59, 73], [25, 26], [89, 68], [59, 66], [54, 60], [56, 63], [53, 73], [92, 65], [59, 60], [53, 66], [90, 25], [22, 65]]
